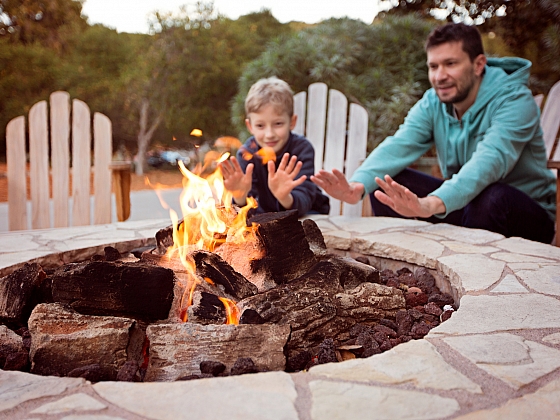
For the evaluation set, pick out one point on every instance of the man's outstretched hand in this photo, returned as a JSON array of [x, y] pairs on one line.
[[336, 185], [405, 202]]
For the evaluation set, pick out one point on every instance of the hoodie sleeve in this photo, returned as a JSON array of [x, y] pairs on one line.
[[395, 153]]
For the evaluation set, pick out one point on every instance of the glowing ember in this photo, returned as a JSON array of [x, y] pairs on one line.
[[209, 220], [266, 154]]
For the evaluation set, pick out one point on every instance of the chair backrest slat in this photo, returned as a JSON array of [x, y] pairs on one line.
[[81, 158], [17, 174], [335, 140], [316, 118], [300, 100], [356, 150], [39, 165], [60, 156], [550, 121], [102, 177], [339, 137]]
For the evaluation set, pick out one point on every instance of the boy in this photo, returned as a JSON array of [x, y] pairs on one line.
[[283, 182]]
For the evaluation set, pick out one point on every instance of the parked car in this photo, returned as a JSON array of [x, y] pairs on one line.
[[173, 156]]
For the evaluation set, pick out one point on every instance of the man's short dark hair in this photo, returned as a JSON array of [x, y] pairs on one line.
[[468, 35]]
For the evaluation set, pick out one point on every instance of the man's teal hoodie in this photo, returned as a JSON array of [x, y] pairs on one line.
[[498, 139]]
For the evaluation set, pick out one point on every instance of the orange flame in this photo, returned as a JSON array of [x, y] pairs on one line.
[[266, 154], [209, 220], [232, 311]]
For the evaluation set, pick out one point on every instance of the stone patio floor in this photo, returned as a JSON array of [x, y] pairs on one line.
[[497, 357]]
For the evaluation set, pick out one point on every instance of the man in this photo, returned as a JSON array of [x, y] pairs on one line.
[[485, 125]]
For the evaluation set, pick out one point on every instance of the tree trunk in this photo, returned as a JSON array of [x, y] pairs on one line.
[[145, 135]]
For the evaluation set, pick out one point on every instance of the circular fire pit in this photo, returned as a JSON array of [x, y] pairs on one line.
[[499, 353]]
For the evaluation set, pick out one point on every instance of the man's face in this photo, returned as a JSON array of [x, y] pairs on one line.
[[452, 73], [270, 128]]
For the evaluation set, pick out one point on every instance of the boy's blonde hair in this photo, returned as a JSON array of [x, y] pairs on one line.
[[272, 91]]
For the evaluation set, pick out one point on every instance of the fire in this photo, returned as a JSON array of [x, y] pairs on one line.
[[209, 220], [266, 154], [232, 311]]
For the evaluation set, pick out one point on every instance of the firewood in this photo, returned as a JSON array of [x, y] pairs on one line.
[[19, 294], [288, 255], [206, 308], [64, 341], [212, 266], [177, 350], [135, 290], [317, 307]]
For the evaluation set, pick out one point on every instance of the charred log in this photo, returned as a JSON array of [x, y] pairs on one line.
[[135, 290], [206, 308], [19, 293], [355, 273], [212, 266], [317, 307], [288, 255]]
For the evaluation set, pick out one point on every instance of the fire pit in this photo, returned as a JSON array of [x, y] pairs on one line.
[[498, 353]]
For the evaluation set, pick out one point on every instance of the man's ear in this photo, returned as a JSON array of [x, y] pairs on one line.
[[293, 122], [479, 64], [248, 125]]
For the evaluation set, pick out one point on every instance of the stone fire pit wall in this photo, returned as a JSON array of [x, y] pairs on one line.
[[497, 357]]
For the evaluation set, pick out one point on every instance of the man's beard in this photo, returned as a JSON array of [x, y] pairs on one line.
[[459, 97]]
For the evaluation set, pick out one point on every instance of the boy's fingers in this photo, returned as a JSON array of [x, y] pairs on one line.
[[300, 180], [292, 163], [272, 168], [249, 170]]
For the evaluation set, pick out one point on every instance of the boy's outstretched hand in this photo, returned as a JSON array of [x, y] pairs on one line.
[[235, 181], [282, 181]]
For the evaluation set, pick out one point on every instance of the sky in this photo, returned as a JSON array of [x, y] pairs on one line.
[[132, 15]]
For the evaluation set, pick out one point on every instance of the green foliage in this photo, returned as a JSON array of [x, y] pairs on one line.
[[528, 28], [48, 22], [197, 60], [381, 66]]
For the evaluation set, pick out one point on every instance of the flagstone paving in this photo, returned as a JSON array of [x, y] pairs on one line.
[[497, 357]]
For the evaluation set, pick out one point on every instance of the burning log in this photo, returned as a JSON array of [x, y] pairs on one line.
[[212, 266], [18, 294], [277, 254], [136, 290], [177, 350], [207, 308], [64, 341]]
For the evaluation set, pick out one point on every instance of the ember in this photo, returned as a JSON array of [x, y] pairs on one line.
[[216, 296]]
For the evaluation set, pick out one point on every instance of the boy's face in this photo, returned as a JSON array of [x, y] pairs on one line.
[[270, 128]]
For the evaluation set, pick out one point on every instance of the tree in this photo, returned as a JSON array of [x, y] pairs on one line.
[[48, 22], [529, 28], [358, 59], [193, 68]]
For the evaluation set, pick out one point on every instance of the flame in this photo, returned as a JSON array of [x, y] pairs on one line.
[[232, 311], [209, 220], [265, 153]]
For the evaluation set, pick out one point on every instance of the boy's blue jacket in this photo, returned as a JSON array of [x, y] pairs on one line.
[[307, 196], [499, 139]]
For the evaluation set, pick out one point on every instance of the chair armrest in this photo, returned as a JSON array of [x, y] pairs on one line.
[[121, 185]]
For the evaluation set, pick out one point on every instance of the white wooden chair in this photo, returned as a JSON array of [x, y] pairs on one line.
[[550, 123], [62, 126], [338, 134]]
